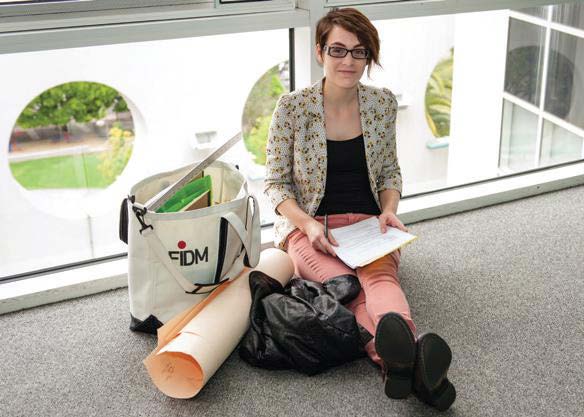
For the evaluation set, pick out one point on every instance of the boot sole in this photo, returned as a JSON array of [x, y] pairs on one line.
[[395, 344], [435, 357]]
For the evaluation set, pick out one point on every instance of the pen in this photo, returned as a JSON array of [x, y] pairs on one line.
[[326, 226]]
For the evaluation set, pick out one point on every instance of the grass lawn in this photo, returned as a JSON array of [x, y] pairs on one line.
[[71, 171]]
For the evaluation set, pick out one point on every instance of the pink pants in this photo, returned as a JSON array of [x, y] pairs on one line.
[[381, 291]]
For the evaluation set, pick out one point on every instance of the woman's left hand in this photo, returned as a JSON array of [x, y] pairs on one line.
[[390, 219]]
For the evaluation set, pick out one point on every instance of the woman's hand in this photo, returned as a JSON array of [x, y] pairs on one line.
[[390, 219], [314, 230]]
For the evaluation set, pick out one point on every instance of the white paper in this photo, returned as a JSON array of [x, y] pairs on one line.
[[362, 243]]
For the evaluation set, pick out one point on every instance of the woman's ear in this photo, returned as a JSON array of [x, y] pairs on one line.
[[318, 51]]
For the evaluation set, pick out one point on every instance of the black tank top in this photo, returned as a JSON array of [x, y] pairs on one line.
[[347, 187]]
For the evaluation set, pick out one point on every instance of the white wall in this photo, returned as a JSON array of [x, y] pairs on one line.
[[478, 81]]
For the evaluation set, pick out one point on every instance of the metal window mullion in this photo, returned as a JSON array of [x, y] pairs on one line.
[[542, 94], [291, 60], [552, 118], [520, 102], [540, 21], [147, 31], [578, 33], [396, 9]]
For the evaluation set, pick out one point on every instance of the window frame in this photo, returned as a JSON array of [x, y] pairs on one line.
[[118, 256], [539, 111], [24, 29], [20, 8]]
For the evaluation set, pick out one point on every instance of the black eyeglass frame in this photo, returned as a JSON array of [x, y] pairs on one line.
[[327, 49]]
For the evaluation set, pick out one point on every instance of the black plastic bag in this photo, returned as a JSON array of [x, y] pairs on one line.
[[303, 326]]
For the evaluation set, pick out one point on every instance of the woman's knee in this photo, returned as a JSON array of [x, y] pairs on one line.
[[385, 268], [314, 265]]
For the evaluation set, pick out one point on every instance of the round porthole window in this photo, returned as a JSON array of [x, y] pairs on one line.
[[75, 136]]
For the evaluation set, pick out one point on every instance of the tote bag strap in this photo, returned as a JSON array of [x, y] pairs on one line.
[[253, 254], [249, 234]]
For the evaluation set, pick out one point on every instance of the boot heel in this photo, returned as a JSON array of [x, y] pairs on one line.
[[445, 396], [398, 387]]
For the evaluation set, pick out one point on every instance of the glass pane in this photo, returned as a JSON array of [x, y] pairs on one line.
[[452, 128], [523, 73], [255, 123], [565, 86], [535, 11], [518, 138], [571, 14], [559, 145], [185, 97], [423, 84]]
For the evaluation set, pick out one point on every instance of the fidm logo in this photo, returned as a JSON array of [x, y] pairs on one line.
[[188, 257]]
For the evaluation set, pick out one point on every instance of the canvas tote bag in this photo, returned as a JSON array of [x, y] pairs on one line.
[[176, 259]]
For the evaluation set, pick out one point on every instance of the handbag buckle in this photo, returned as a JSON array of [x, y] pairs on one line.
[[140, 212]]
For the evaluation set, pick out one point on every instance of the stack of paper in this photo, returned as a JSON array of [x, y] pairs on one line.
[[362, 243]]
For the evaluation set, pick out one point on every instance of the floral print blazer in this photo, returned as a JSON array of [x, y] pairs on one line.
[[296, 152]]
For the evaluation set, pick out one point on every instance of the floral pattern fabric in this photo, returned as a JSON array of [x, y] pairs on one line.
[[296, 154]]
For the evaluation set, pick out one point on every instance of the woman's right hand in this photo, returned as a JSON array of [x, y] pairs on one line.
[[314, 230]]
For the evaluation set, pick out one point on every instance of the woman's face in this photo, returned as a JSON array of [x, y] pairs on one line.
[[343, 72]]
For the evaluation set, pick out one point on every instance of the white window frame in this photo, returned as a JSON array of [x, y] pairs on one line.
[[125, 12], [74, 28], [548, 25], [16, 8]]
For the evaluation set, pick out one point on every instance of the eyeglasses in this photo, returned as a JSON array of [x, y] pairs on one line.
[[340, 52]]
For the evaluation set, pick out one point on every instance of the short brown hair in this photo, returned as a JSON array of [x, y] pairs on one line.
[[352, 20]]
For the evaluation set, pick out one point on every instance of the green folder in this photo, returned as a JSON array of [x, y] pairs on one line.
[[187, 194]]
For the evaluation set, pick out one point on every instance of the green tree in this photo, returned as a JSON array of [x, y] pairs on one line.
[[114, 160], [438, 97], [257, 113], [79, 101], [257, 139]]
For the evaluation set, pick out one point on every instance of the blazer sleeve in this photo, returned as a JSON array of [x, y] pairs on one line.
[[390, 177], [278, 183]]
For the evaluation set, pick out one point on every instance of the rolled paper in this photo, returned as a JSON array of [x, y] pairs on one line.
[[194, 344]]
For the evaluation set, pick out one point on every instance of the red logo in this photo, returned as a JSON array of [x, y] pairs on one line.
[[182, 244]]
